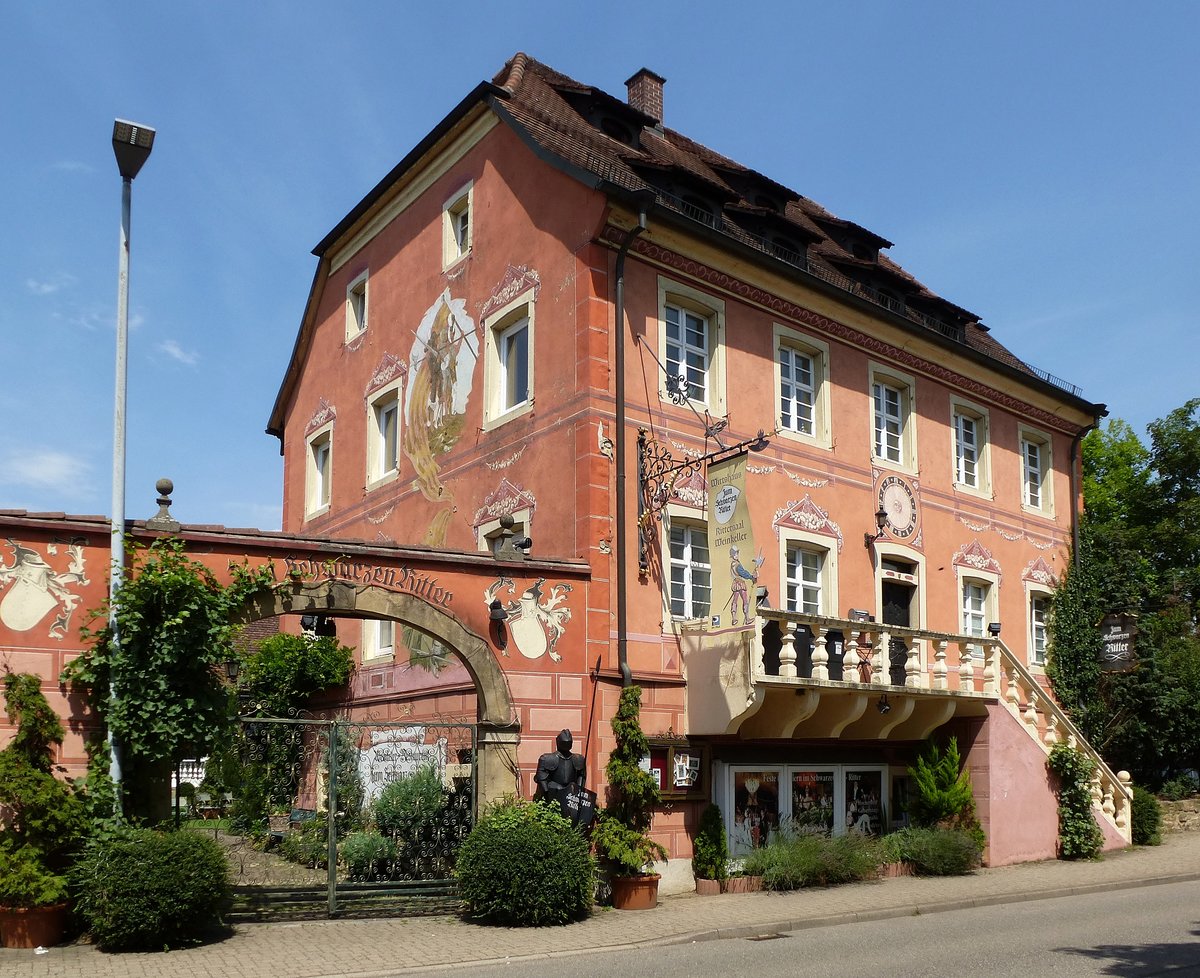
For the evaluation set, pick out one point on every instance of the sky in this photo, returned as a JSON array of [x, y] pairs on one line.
[[1033, 162]]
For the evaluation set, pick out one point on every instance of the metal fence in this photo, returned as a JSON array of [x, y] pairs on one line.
[[328, 817]]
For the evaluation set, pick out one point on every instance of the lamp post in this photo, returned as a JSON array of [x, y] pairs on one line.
[[131, 145]]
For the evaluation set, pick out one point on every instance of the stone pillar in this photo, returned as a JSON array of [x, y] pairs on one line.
[[496, 771]]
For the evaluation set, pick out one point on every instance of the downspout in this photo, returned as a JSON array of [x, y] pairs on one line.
[[1076, 488], [620, 449]]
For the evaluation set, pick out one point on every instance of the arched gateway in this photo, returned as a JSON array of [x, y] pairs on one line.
[[498, 722]]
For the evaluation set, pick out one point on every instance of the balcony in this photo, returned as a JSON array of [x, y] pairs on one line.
[[812, 677]]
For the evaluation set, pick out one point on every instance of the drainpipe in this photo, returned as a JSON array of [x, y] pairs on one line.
[[1075, 486], [619, 448]]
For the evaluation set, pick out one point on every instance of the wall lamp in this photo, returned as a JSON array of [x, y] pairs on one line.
[[883, 706], [880, 523], [761, 596], [994, 629], [496, 611], [857, 614]]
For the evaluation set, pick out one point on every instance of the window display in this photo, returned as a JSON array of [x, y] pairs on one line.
[[755, 809], [864, 791], [812, 799]]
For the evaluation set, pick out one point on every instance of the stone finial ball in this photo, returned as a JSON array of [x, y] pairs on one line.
[[165, 487]]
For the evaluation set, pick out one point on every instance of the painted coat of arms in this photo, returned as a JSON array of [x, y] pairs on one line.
[[535, 624], [32, 588]]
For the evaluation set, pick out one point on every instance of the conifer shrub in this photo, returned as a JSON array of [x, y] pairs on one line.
[[524, 865], [941, 795], [710, 848], [146, 889], [934, 851], [1146, 818]]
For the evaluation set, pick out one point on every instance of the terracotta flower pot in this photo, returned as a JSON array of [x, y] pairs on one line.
[[33, 926], [743, 884], [707, 887], [635, 892]]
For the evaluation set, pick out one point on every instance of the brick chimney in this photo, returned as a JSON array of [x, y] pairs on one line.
[[646, 93]]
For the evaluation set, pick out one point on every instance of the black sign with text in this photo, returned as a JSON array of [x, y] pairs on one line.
[[1118, 635]]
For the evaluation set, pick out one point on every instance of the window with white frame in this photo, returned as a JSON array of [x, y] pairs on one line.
[[893, 435], [805, 579], [383, 436], [1039, 613], [691, 344], [356, 306], [690, 569], [970, 434], [801, 393], [974, 606], [1035, 471], [509, 363], [379, 638], [319, 473], [456, 226]]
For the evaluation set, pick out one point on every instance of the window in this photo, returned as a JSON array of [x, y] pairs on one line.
[[800, 386], [1039, 609], [319, 475], [1035, 471], [691, 345], [379, 639], [509, 363], [805, 569], [893, 431], [974, 607], [383, 436], [691, 571], [356, 307], [970, 433], [456, 226]]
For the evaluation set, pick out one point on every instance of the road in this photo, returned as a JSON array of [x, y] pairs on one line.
[[1133, 933]]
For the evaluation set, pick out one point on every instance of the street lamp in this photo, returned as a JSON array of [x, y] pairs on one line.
[[131, 145]]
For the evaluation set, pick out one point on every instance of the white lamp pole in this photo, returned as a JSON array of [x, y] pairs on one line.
[[131, 145]]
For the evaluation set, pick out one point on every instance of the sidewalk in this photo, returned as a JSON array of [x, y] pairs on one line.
[[377, 948]]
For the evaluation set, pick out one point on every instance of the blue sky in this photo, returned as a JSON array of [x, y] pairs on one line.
[[1034, 162]]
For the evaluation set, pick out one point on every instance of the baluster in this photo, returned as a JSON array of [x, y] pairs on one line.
[[966, 668], [912, 665], [787, 651], [1014, 693], [939, 665], [1051, 737], [1071, 741], [881, 666], [1097, 794], [1031, 714], [820, 654], [991, 653], [1122, 819], [1107, 805]]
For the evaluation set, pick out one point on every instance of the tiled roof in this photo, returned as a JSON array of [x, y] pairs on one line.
[[585, 128]]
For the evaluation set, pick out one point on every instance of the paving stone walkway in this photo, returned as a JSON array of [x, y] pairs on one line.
[[379, 948]]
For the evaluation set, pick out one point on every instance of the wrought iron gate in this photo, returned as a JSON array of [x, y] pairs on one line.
[[334, 816]]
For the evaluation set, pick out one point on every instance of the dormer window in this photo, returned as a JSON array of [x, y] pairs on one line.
[[770, 203], [861, 251], [617, 130], [787, 249]]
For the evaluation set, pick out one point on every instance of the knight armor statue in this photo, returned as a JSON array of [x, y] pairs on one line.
[[556, 771]]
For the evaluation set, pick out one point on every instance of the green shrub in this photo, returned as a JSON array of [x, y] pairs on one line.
[[1179, 788], [408, 805], [308, 843], [425, 821], [25, 881], [524, 865], [710, 849], [366, 855], [941, 795], [148, 889], [934, 852], [1146, 818], [1079, 836], [811, 859]]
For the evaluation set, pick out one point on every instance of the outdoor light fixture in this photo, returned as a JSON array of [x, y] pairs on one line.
[[880, 523], [761, 594], [994, 629], [232, 668], [857, 614], [883, 706], [496, 611], [131, 145]]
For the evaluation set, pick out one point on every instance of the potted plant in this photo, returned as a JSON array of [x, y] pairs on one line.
[[43, 821], [620, 833], [710, 853]]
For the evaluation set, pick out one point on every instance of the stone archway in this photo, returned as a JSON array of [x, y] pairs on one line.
[[499, 727]]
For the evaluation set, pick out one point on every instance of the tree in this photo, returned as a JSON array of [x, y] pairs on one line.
[[1139, 551], [175, 631]]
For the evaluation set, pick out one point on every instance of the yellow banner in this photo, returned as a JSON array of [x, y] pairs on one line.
[[731, 547]]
